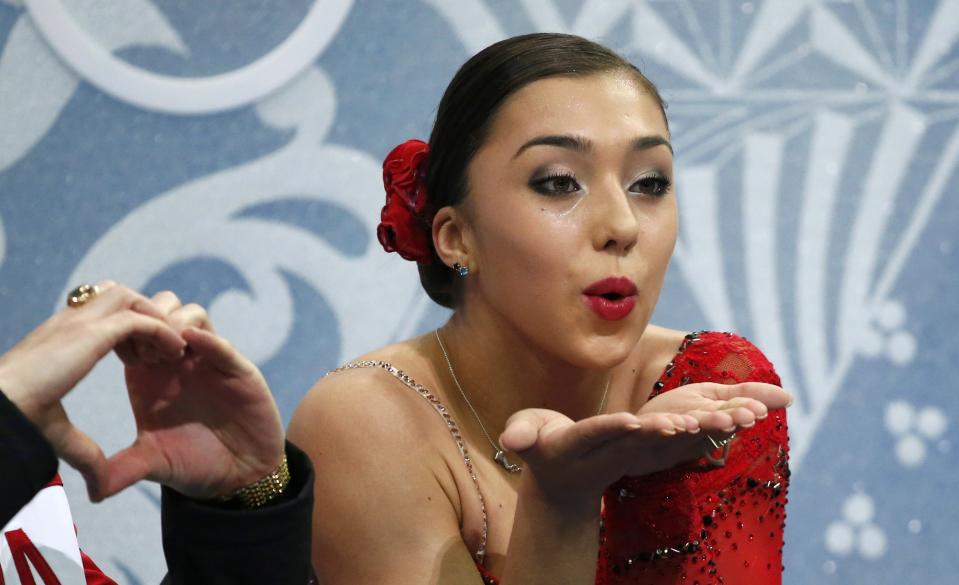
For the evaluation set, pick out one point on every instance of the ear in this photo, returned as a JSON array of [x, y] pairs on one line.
[[451, 236]]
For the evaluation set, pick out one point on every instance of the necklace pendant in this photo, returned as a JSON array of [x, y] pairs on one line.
[[500, 457]]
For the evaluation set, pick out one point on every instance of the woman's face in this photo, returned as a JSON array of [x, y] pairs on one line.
[[571, 215]]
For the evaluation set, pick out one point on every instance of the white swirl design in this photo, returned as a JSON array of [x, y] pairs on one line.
[[178, 95], [28, 66], [198, 219]]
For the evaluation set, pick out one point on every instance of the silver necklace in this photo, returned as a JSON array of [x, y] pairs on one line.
[[498, 455]]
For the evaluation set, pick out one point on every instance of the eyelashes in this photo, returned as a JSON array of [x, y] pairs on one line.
[[555, 183], [560, 183], [655, 184]]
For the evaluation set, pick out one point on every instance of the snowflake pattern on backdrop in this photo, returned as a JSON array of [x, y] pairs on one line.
[[815, 141]]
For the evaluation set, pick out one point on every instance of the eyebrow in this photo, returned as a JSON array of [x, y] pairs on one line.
[[580, 144]]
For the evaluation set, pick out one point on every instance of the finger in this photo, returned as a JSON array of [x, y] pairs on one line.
[[662, 423], [129, 466], [594, 432], [692, 423], [678, 420], [523, 427], [191, 315], [126, 351], [219, 351], [770, 395], [742, 417], [758, 409], [530, 426], [166, 301], [713, 421], [130, 325], [116, 298], [520, 433], [82, 453]]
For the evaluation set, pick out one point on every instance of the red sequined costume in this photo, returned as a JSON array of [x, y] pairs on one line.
[[697, 524]]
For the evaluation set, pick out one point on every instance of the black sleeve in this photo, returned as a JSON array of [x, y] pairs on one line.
[[210, 545], [26, 458]]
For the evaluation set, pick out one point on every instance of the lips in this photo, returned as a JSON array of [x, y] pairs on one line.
[[612, 298]]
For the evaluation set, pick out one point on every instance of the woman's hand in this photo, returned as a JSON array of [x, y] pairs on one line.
[[45, 365], [721, 408], [573, 462], [207, 424]]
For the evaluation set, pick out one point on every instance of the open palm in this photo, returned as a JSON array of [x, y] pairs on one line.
[[583, 457], [720, 407]]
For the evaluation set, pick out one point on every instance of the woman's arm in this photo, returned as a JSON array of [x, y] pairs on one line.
[[388, 508], [569, 464]]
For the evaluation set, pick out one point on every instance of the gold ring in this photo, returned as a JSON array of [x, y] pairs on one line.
[[82, 295]]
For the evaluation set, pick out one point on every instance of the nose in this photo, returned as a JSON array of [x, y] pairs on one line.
[[615, 219]]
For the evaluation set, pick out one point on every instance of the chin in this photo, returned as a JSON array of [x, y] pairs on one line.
[[599, 350]]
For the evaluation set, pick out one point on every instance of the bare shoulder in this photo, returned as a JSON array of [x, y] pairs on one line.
[[386, 506], [368, 391], [656, 348], [659, 345]]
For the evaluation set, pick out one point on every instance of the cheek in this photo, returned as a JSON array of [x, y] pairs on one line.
[[656, 245], [663, 231], [530, 251]]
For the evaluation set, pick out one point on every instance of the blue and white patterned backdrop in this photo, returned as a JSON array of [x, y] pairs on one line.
[[231, 153]]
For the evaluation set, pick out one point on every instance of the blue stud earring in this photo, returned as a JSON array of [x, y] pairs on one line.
[[463, 271]]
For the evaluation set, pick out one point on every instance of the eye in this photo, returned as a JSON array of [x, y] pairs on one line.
[[655, 185], [555, 184]]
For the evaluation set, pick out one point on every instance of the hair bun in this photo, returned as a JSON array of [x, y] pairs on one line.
[[405, 227]]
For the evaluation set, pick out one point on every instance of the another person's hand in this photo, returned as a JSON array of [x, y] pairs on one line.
[[207, 424], [573, 462], [45, 365]]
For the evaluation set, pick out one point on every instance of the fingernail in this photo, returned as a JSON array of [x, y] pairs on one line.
[[731, 429], [791, 400], [633, 426]]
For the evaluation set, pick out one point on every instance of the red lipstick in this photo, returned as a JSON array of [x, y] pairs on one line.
[[612, 298]]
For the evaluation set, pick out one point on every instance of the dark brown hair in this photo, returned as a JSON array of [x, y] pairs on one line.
[[472, 100]]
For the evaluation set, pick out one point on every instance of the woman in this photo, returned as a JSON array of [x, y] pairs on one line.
[[543, 213]]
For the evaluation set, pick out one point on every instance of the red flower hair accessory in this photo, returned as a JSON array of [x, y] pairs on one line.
[[404, 228]]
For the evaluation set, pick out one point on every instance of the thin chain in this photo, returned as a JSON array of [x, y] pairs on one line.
[[454, 430], [449, 364], [496, 448]]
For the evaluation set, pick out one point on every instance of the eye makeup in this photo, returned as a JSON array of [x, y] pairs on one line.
[[653, 184], [555, 182], [562, 186]]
